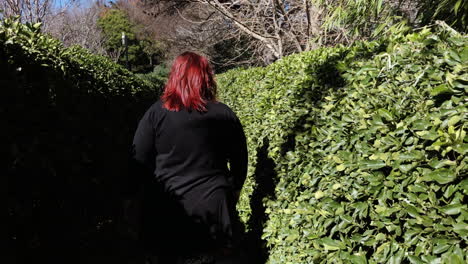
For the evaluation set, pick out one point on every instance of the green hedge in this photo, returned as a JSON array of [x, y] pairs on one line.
[[358, 155], [68, 120], [24, 43]]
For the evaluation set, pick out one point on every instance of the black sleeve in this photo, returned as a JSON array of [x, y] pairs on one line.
[[142, 155], [143, 147], [237, 154]]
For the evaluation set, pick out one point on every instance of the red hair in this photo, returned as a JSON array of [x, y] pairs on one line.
[[191, 84]]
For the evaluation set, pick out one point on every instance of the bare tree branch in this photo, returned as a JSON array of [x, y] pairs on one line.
[[77, 25], [281, 26], [31, 11]]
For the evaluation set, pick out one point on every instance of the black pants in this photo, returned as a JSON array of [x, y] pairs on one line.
[[177, 229]]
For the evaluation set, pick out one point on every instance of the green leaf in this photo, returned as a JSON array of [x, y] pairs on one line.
[[358, 259], [454, 259], [452, 209], [461, 148], [319, 194], [457, 6], [379, 6], [454, 120], [372, 164], [415, 260], [441, 248], [429, 135], [461, 228], [340, 167], [396, 258], [449, 191], [330, 244], [413, 155], [406, 167], [380, 236], [429, 259], [464, 185], [293, 236], [421, 124], [385, 114], [441, 89], [412, 211], [442, 176], [437, 164]]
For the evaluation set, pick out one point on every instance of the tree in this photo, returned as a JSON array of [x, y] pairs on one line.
[[114, 22], [77, 25], [31, 11], [66, 20], [280, 27], [152, 46], [191, 26], [142, 50]]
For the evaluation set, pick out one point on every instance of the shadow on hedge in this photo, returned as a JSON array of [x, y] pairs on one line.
[[265, 175], [64, 166]]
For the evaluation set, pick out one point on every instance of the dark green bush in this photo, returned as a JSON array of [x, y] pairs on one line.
[[68, 120], [358, 155], [157, 77]]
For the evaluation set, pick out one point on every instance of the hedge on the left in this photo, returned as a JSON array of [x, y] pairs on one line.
[[68, 119]]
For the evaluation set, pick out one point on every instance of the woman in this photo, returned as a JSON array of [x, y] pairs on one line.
[[188, 138]]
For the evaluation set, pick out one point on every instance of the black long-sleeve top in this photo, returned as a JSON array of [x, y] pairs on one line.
[[188, 149]]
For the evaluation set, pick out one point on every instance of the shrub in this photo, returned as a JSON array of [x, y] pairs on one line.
[[69, 117], [157, 77], [358, 154]]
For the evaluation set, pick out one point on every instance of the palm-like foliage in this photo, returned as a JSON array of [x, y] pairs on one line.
[[454, 12]]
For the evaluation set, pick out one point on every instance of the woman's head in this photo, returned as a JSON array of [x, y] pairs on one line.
[[191, 84]]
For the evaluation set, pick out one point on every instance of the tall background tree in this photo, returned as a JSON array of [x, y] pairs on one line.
[[77, 25], [188, 25], [31, 11], [278, 27], [144, 51]]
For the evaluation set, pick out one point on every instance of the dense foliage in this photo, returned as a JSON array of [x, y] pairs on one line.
[[358, 154], [68, 121], [347, 21], [157, 77], [454, 12]]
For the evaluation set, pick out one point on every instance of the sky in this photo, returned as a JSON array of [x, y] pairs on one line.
[[82, 3]]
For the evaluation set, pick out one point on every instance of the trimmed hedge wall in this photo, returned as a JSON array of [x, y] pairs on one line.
[[68, 120], [358, 155]]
